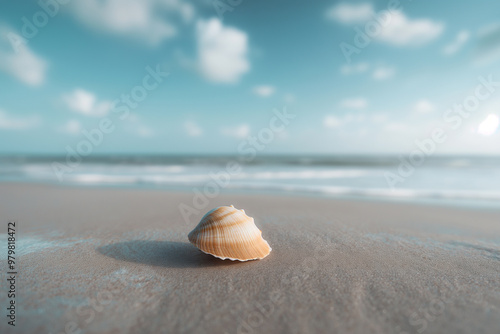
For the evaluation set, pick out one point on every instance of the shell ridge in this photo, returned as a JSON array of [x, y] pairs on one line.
[[229, 233]]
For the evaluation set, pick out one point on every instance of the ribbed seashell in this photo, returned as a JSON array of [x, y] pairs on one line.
[[228, 233]]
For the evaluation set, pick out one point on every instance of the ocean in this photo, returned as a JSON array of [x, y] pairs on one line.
[[453, 180]]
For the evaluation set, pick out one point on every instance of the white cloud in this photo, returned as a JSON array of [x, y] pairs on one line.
[[383, 73], [193, 129], [185, 9], [353, 120], [72, 127], [351, 13], [264, 90], [289, 98], [399, 30], [332, 122], [397, 127], [21, 62], [424, 106], [222, 51], [354, 68], [354, 103], [402, 31], [460, 40], [84, 102], [137, 127], [354, 117], [144, 131], [489, 126], [143, 20], [488, 45], [240, 132], [9, 122]]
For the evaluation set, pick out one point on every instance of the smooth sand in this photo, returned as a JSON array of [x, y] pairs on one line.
[[118, 261]]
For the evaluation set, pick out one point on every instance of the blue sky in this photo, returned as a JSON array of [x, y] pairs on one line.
[[228, 72]]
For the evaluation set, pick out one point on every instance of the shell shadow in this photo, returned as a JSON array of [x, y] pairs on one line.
[[168, 254]]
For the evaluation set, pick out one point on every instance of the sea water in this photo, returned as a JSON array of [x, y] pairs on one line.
[[456, 180]]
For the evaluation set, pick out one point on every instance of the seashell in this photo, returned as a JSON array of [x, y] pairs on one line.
[[228, 233]]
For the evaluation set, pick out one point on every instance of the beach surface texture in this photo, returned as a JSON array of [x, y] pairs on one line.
[[93, 260]]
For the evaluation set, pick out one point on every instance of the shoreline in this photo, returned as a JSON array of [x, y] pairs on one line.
[[489, 205]]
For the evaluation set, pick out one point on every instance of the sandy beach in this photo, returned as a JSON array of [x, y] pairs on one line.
[[94, 260]]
